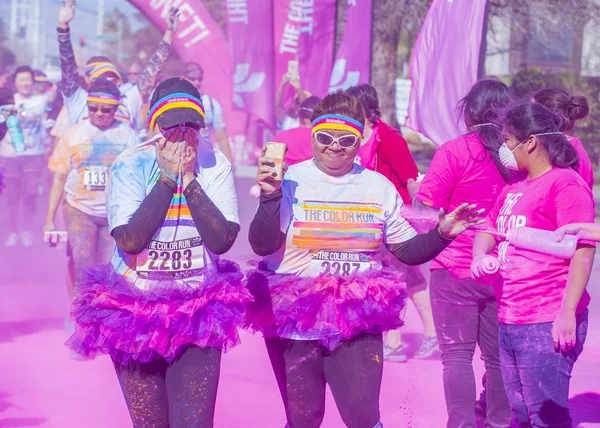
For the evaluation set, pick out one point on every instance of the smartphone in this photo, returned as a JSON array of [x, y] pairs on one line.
[[56, 237], [292, 69], [276, 151]]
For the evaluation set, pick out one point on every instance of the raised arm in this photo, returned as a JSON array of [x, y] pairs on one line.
[[157, 62], [70, 81]]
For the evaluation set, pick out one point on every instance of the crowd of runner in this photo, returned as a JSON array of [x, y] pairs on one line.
[[141, 170]]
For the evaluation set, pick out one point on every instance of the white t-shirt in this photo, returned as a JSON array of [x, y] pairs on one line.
[[213, 116], [176, 251], [32, 111], [85, 154], [337, 225], [289, 123], [130, 107]]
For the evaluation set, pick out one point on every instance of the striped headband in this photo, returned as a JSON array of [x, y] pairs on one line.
[[103, 98], [96, 69], [173, 101], [338, 123]]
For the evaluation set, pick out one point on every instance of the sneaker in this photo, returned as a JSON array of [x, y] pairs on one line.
[[12, 241], [27, 239], [428, 347], [395, 355]]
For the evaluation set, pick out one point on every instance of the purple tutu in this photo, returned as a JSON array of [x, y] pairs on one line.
[[112, 316], [331, 308]]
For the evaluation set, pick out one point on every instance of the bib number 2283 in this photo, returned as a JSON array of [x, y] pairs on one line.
[[178, 259]]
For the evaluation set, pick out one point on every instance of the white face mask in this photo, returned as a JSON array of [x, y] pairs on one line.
[[507, 157]]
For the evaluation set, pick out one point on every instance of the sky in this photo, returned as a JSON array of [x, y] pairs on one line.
[[84, 24]]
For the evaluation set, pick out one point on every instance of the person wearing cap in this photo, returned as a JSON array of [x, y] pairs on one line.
[[74, 93], [323, 295], [23, 168], [80, 163], [167, 306], [214, 112]]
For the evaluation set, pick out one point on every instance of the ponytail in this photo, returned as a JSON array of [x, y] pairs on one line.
[[535, 119]]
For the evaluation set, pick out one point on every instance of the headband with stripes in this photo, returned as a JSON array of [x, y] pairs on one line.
[[103, 98], [173, 101], [96, 69], [337, 122]]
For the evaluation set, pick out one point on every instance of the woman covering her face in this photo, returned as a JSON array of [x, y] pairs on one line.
[[167, 306]]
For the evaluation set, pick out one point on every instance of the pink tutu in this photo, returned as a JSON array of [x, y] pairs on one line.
[[112, 316], [331, 308]]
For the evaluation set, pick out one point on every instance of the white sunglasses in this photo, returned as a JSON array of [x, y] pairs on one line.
[[345, 141]]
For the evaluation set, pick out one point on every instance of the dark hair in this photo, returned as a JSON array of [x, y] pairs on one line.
[[102, 84], [341, 103], [531, 118], [98, 58], [367, 97], [193, 69], [560, 102], [481, 106], [23, 69], [307, 107]]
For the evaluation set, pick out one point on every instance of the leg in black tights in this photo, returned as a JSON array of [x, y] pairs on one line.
[[298, 367], [177, 395], [354, 371], [192, 382], [145, 392]]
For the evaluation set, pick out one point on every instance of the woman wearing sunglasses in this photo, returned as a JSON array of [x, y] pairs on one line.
[[166, 307], [323, 297], [80, 162]]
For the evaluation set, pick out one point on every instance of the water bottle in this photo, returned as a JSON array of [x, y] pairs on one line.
[[542, 241], [16, 135]]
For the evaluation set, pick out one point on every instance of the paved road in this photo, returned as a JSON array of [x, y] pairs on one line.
[[41, 386]]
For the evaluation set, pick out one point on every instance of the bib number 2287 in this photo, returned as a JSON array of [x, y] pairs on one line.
[[339, 263]]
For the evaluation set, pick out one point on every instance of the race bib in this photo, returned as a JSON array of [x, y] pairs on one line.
[[339, 263], [95, 177], [168, 260]]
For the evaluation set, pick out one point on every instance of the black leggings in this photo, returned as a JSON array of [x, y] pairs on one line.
[[353, 371], [181, 394]]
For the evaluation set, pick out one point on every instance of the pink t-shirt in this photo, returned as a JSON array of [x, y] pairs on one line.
[[461, 171], [585, 168], [299, 144], [534, 283]]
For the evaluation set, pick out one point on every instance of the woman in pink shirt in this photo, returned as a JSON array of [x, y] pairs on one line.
[[465, 312], [570, 109], [542, 301]]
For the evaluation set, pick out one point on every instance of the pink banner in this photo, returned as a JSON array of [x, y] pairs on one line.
[[353, 60], [443, 67], [250, 28], [305, 31], [199, 39]]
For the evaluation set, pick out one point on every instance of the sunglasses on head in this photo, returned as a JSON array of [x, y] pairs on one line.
[[103, 109], [345, 141]]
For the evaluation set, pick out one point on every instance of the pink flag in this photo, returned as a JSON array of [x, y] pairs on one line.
[[250, 28], [305, 32], [443, 67], [199, 39], [353, 61]]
